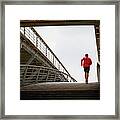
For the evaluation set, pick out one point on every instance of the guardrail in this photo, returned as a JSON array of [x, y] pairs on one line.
[[31, 74], [35, 38]]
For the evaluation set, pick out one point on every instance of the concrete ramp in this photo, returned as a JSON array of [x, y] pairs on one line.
[[61, 91]]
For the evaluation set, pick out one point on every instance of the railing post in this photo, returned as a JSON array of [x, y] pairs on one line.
[[29, 34], [24, 31], [55, 76], [20, 45], [37, 42], [46, 50], [63, 70], [25, 74], [58, 66], [38, 75], [67, 77], [40, 44], [53, 59], [47, 76]]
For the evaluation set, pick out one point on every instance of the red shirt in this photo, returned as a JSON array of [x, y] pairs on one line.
[[86, 62]]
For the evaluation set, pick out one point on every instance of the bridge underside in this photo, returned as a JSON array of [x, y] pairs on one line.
[[29, 54], [30, 59], [33, 23]]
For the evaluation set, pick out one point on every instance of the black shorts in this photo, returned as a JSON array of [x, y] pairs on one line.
[[86, 69]]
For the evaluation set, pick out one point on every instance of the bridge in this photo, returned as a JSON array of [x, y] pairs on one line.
[[42, 75], [38, 62]]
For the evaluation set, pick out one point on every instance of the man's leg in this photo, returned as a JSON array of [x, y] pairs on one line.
[[87, 75], [86, 78]]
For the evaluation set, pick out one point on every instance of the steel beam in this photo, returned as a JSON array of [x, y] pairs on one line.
[[33, 23]]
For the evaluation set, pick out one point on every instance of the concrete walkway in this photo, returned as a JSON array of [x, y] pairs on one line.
[[57, 86], [61, 91]]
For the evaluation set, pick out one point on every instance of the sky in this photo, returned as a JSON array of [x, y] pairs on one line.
[[70, 44]]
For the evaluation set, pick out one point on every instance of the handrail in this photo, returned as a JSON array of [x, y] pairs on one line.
[[32, 74], [36, 39], [50, 50]]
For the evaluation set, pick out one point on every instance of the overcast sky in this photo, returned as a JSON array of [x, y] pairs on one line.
[[70, 43]]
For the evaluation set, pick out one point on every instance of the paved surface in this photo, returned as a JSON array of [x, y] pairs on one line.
[[61, 91], [60, 86]]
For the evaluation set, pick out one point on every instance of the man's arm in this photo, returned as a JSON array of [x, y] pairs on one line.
[[90, 62], [81, 61]]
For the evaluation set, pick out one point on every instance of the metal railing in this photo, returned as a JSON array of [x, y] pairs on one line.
[[35, 38], [31, 74]]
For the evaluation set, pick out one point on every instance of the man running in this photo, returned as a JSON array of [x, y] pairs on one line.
[[86, 62]]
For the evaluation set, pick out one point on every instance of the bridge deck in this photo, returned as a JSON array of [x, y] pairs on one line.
[[61, 91]]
